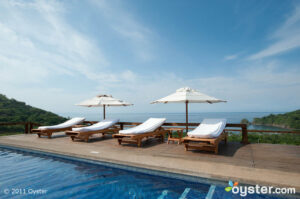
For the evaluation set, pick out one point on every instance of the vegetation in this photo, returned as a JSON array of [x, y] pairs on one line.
[[274, 138], [289, 120], [12, 110], [245, 121]]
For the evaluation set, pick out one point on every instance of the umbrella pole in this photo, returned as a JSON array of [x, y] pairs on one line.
[[104, 112], [186, 116]]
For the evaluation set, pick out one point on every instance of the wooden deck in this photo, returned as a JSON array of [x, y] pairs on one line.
[[263, 164]]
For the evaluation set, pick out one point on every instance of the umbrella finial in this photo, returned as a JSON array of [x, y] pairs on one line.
[[104, 95], [185, 89]]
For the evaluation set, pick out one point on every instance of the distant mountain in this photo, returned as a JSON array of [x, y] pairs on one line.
[[289, 120], [12, 110]]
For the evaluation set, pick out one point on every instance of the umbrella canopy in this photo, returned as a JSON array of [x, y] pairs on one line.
[[103, 100], [187, 95]]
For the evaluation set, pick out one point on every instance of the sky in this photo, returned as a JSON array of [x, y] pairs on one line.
[[54, 54]]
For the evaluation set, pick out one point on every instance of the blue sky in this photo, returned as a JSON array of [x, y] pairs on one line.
[[54, 54]]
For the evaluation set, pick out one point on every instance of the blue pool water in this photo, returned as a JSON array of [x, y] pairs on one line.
[[22, 174]]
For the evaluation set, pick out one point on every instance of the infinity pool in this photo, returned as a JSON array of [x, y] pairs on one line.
[[29, 175]]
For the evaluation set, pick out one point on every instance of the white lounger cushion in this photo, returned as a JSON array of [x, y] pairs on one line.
[[98, 126], [148, 126], [209, 128], [66, 124]]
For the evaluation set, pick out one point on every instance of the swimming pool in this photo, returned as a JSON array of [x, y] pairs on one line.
[[30, 175]]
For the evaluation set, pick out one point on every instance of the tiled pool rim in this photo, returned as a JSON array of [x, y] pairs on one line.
[[146, 171]]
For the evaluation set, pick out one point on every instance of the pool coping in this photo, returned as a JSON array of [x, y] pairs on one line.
[[167, 174], [133, 168]]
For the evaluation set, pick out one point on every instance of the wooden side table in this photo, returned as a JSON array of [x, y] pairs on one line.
[[170, 134]]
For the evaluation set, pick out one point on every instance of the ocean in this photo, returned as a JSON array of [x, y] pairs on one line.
[[232, 117]]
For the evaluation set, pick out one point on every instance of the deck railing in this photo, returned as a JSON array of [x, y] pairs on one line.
[[238, 128], [28, 126], [243, 127]]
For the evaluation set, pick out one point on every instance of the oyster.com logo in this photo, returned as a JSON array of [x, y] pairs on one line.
[[243, 191], [231, 185]]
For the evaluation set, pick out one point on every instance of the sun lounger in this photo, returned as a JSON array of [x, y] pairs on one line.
[[84, 133], [67, 125], [207, 135], [150, 128]]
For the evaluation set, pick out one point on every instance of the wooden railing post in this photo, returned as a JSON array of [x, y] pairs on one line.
[[244, 135], [30, 126], [26, 127]]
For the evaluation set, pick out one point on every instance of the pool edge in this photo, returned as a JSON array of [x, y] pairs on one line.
[[157, 171], [120, 165]]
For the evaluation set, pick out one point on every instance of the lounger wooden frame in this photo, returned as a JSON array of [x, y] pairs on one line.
[[85, 136], [49, 132], [206, 144], [137, 138]]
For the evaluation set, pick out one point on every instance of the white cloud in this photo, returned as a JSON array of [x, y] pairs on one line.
[[258, 86], [128, 27], [38, 46], [40, 50], [272, 74], [44, 41], [129, 75], [38, 41], [231, 57], [287, 37]]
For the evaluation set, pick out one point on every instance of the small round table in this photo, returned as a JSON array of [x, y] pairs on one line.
[[170, 134]]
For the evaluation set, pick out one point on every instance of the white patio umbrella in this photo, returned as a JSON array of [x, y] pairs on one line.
[[103, 100], [187, 95]]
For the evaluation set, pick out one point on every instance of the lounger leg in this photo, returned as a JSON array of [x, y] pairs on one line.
[[120, 141], [139, 142], [49, 135], [217, 149], [73, 138], [162, 138], [86, 139], [39, 135], [186, 146], [225, 140]]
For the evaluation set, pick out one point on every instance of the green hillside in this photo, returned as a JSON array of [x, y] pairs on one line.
[[12, 110], [289, 120]]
